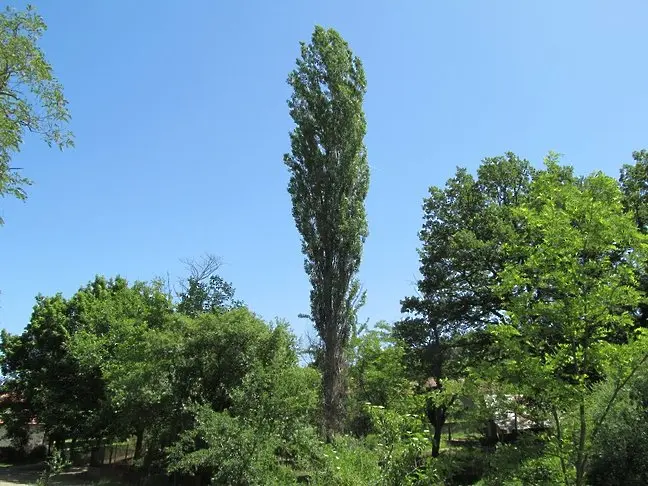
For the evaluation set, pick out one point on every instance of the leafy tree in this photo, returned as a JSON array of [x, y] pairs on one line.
[[466, 225], [163, 372], [328, 185], [570, 278], [31, 98], [377, 375], [40, 369], [634, 185], [113, 318], [377, 370], [248, 405], [61, 364]]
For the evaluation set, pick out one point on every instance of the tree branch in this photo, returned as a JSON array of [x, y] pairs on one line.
[[559, 437], [618, 388]]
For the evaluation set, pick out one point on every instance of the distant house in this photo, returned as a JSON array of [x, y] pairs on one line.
[[510, 416]]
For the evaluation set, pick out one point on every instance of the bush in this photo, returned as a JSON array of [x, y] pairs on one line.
[[402, 444], [225, 450], [619, 454], [347, 462], [544, 470], [461, 466], [524, 462]]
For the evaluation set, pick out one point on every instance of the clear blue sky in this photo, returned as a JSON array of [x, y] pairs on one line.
[[179, 111]]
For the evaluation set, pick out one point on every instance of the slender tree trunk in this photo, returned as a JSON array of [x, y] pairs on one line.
[[559, 439], [437, 417], [437, 413], [138, 444], [580, 458], [334, 388]]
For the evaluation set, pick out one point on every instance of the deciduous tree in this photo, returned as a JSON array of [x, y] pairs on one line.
[[570, 278], [466, 225]]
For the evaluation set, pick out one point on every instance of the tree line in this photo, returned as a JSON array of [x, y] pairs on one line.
[[521, 358]]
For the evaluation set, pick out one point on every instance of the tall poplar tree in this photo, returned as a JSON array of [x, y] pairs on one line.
[[328, 186]]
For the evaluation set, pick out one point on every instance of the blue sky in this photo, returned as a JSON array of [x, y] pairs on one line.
[[179, 111]]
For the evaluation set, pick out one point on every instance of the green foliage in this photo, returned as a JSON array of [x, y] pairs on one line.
[[329, 180], [55, 464], [113, 318], [568, 297], [402, 441], [377, 369], [232, 452], [263, 433], [568, 288], [60, 366], [465, 228], [525, 462], [633, 185], [213, 295], [620, 448], [31, 98], [346, 462], [41, 371], [238, 371], [376, 375]]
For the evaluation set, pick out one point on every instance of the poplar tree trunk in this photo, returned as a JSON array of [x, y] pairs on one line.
[[334, 389]]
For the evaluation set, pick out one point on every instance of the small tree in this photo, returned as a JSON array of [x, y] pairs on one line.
[[328, 185], [41, 370]]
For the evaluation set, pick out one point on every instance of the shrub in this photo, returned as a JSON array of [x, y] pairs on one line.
[[226, 451], [523, 462], [347, 462], [619, 452]]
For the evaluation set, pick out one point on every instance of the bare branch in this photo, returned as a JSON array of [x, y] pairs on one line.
[[200, 269]]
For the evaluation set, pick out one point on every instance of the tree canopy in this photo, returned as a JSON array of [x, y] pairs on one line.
[[520, 359]]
